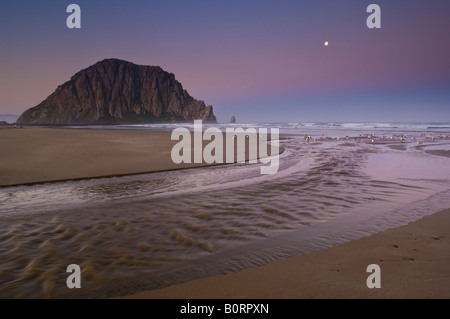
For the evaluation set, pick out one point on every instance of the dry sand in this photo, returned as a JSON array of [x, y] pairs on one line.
[[414, 260]]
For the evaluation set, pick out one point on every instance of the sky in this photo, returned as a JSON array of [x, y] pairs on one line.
[[262, 61]]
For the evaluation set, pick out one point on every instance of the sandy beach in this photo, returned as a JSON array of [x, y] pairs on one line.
[[33, 155], [413, 260], [118, 226], [37, 155]]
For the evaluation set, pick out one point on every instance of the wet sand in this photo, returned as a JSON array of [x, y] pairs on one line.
[[36, 155], [400, 147], [438, 152], [413, 259], [32, 155]]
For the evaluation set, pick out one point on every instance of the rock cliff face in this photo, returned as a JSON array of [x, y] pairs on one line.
[[116, 91]]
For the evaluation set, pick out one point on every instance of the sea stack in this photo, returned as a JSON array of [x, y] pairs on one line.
[[115, 91]]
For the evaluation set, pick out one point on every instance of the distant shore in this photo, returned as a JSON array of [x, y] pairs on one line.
[[413, 259]]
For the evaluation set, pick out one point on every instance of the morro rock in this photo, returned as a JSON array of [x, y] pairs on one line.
[[114, 91]]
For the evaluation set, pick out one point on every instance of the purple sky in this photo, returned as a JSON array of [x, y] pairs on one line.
[[259, 60]]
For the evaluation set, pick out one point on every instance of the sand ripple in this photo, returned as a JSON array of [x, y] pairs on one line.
[[143, 232]]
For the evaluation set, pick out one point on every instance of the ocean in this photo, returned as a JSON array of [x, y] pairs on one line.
[[336, 182]]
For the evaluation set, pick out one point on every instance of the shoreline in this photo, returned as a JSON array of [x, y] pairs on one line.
[[413, 260], [107, 176]]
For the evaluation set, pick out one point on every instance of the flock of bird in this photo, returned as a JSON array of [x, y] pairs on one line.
[[372, 139]]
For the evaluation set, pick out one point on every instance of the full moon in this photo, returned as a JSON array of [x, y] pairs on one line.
[[326, 43]]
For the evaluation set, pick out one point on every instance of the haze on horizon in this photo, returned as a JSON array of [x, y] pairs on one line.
[[258, 60]]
